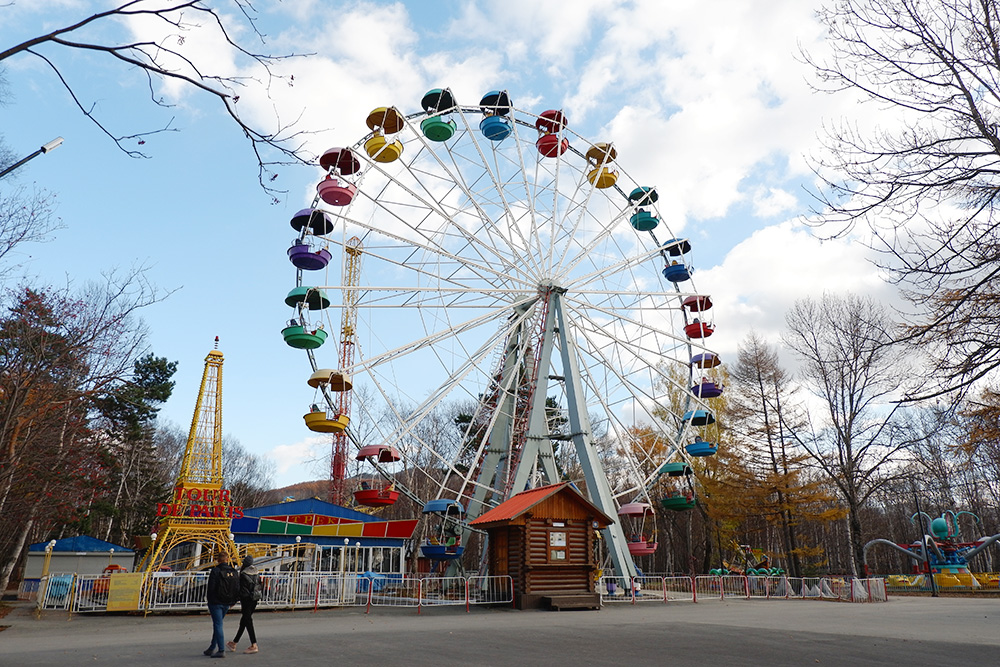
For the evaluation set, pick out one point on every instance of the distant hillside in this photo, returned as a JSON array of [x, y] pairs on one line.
[[319, 488]]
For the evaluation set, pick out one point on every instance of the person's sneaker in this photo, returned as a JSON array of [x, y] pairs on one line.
[[252, 649], [220, 654], [231, 646], [208, 651]]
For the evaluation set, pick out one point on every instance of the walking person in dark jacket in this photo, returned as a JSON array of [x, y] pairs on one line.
[[250, 591], [223, 591]]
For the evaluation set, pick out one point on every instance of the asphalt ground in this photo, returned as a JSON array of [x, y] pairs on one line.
[[905, 630]]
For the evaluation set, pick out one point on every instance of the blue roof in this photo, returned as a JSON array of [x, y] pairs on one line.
[[81, 543], [309, 506], [444, 505]]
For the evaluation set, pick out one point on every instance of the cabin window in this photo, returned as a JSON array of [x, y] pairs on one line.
[[557, 546]]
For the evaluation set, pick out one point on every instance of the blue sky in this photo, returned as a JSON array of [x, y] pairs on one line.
[[710, 104]]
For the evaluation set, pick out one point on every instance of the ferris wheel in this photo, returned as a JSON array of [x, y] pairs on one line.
[[510, 267]]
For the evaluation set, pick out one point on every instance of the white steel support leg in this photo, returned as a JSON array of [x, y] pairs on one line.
[[537, 443], [495, 462], [598, 487]]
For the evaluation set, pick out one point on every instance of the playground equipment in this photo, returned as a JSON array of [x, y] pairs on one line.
[[518, 265], [941, 551], [755, 563]]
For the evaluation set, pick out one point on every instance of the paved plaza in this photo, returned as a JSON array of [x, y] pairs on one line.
[[905, 630]]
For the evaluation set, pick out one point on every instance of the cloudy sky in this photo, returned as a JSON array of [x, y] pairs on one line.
[[709, 102]]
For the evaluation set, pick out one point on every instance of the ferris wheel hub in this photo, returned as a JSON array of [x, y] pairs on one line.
[[549, 286]]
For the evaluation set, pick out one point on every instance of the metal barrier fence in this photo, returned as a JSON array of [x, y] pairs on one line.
[[614, 589], [396, 593], [173, 591], [55, 591], [28, 589], [493, 589], [712, 587], [169, 591], [165, 591], [680, 589]]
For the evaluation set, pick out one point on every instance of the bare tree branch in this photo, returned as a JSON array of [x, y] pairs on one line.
[[927, 181], [166, 60]]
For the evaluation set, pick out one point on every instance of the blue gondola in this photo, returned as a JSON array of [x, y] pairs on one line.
[[699, 417], [445, 541], [677, 247], [701, 448], [676, 273], [495, 105]]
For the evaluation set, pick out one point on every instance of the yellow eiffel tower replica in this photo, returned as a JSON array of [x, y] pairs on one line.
[[197, 516]]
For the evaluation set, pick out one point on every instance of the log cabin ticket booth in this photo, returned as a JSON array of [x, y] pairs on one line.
[[544, 539]]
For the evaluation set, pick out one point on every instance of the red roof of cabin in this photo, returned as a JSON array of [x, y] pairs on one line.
[[525, 500]]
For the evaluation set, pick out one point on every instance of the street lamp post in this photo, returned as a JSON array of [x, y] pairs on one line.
[[295, 575], [44, 581], [52, 145]]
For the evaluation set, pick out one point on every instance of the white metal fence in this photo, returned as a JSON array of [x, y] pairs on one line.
[[173, 591], [711, 587]]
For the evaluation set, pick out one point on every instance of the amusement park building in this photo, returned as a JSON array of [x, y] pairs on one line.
[[332, 538], [81, 554], [544, 540]]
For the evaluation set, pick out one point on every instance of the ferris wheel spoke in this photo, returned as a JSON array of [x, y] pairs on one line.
[[441, 252], [622, 432], [456, 174], [606, 233], [454, 380], [639, 353], [432, 206], [617, 315], [639, 396], [410, 455], [604, 271], [580, 214], [372, 362], [500, 188], [534, 247]]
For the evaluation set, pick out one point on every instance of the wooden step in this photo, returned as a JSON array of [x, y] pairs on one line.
[[574, 601]]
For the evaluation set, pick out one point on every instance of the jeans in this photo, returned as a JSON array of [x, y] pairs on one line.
[[218, 612]]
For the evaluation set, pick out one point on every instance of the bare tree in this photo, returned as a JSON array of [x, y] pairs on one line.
[[26, 216], [848, 362], [166, 60], [766, 417], [59, 351], [926, 181]]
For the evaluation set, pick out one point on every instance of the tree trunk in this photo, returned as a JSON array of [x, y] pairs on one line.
[[15, 553], [854, 536]]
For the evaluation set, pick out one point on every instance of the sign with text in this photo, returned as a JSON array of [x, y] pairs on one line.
[[204, 503], [124, 591]]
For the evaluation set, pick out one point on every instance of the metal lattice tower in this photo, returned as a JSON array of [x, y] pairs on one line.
[[351, 280], [199, 510]]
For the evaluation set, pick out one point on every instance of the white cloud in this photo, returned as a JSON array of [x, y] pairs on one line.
[[297, 461], [769, 202], [763, 276]]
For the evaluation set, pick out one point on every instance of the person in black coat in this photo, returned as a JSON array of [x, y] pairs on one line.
[[218, 604], [250, 591]]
